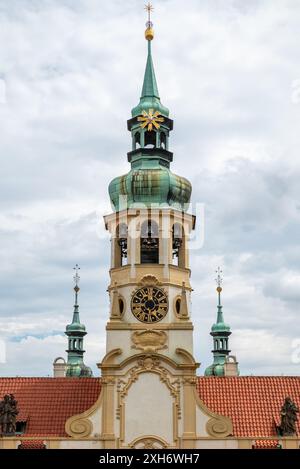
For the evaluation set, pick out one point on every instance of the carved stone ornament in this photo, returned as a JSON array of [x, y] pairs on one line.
[[149, 280], [148, 363], [148, 442], [219, 427], [80, 425], [149, 340]]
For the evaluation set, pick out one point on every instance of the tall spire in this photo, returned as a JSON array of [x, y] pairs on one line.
[[75, 332], [76, 319], [150, 85], [150, 181], [220, 319], [220, 332], [150, 96]]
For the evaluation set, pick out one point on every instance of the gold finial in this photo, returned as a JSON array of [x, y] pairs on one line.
[[219, 279], [149, 33]]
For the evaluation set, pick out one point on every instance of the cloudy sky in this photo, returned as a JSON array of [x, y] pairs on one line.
[[70, 72]]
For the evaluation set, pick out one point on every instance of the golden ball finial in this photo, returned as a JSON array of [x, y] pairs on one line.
[[149, 34], [219, 289]]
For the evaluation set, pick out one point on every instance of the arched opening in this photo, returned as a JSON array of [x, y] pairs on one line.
[[136, 141], [149, 242], [177, 306], [150, 139], [177, 245], [121, 245], [59, 360], [121, 306], [163, 140]]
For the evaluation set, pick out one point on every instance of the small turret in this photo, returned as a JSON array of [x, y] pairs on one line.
[[76, 332], [224, 364]]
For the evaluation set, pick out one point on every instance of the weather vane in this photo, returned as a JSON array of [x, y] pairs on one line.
[[219, 279], [76, 276]]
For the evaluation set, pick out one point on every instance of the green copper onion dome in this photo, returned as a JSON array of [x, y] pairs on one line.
[[150, 186], [215, 369], [150, 182]]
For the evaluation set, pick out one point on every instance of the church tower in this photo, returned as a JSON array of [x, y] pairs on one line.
[[149, 396], [149, 228]]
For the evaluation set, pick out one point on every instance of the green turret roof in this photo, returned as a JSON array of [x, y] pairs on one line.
[[76, 325], [150, 182], [76, 332], [149, 85], [220, 332], [150, 97], [220, 325]]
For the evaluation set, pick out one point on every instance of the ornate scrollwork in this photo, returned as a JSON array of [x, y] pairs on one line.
[[79, 427], [108, 380], [190, 380], [150, 363], [148, 442], [149, 340], [219, 427]]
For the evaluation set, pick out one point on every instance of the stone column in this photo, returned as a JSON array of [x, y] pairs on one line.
[[189, 413], [108, 413]]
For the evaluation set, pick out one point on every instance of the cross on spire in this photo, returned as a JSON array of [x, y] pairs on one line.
[[219, 278], [76, 276], [149, 8], [219, 281], [76, 332]]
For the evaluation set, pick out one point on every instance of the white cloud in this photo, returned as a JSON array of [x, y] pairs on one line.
[[228, 71]]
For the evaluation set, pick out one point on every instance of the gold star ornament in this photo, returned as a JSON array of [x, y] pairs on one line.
[[150, 119]]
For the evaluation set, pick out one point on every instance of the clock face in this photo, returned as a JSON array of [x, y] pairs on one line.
[[149, 304]]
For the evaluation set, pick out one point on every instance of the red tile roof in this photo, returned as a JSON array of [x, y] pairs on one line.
[[266, 444], [252, 402], [46, 403], [32, 444]]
